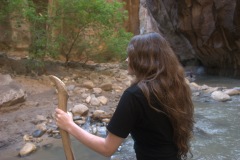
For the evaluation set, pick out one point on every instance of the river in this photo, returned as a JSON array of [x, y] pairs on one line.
[[216, 132]]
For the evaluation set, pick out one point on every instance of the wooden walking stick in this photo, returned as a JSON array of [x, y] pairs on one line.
[[62, 104]]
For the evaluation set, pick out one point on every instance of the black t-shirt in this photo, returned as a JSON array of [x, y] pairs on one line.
[[151, 131]]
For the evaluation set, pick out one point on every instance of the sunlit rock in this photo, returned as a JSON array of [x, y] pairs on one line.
[[80, 109], [103, 99], [11, 92], [27, 138], [220, 96], [88, 84], [97, 90], [95, 101], [27, 149], [107, 86], [232, 92]]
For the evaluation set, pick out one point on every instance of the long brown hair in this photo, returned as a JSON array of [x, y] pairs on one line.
[[159, 74]]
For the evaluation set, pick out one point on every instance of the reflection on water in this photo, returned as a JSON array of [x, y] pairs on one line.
[[214, 81], [216, 132]]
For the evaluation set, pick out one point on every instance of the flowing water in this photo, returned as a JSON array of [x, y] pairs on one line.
[[217, 128], [216, 132]]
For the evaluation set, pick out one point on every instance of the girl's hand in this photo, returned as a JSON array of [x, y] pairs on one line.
[[63, 120]]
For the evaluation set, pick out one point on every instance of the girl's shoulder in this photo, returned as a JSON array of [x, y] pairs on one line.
[[133, 89]]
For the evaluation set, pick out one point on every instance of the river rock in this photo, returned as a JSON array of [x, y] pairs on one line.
[[100, 115], [27, 149], [38, 133], [80, 109], [85, 95], [78, 90], [101, 131], [27, 138], [194, 86], [97, 90], [103, 99], [204, 87], [107, 86], [232, 92], [106, 120], [97, 114], [88, 84], [211, 89], [95, 101], [88, 99], [220, 96]]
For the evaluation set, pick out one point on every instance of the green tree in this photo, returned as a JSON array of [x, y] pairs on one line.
[[82, 29]]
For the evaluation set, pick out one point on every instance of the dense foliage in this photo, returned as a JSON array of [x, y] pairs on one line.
[[75, 29]]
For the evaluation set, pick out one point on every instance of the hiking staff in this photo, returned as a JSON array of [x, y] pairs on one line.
[[62, 104]]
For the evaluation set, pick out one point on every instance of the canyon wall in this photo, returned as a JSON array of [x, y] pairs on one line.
[[201, 32]]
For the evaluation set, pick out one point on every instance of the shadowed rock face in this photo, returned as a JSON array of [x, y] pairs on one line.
[[206, 30]]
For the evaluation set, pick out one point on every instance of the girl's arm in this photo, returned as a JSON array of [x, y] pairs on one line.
[[105, 146]]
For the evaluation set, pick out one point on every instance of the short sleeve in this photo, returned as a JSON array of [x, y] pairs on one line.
[[124, 117]]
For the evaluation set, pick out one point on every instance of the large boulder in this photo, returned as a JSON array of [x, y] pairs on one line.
[[11, 92]]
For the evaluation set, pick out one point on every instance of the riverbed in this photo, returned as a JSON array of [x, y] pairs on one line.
[[216, 132]]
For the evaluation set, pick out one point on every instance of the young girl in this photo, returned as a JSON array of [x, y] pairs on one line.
[[156, 109]]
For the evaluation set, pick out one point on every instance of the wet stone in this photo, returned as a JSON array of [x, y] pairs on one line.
[[101, 131], [38, 133], [52, 126]]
